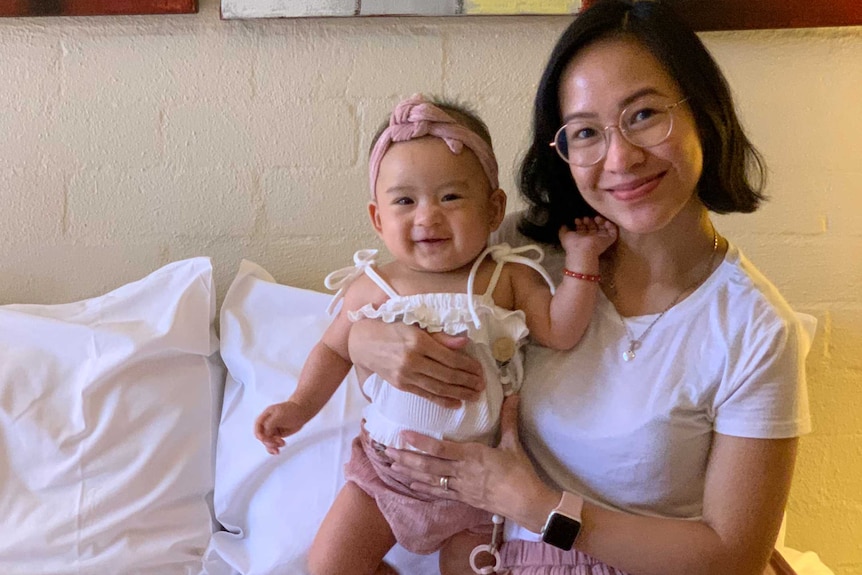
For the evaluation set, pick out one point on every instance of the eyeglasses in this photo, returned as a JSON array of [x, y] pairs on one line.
[[646, 123]]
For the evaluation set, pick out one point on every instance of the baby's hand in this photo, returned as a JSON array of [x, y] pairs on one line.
[[278, 421], [590, 237]]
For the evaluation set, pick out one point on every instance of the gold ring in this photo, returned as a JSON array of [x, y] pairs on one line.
[[444, 482]]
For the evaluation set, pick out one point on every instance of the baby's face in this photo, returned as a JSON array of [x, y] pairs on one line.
[[434, 209]]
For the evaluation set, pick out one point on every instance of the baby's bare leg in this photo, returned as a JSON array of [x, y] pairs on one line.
[[353, 538], [455, 553]]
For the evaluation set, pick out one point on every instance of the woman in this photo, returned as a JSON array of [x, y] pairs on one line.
[[664, 443]]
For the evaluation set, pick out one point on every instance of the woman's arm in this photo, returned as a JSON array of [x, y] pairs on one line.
[[413, 360], [747, 484], [746, 489]]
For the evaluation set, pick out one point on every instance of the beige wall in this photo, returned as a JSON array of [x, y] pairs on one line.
[[131, 142]]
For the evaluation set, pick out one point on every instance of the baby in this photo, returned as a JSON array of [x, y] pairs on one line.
[[435, 201]]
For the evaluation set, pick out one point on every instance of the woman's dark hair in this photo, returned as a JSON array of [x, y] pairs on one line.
[[733, 171]]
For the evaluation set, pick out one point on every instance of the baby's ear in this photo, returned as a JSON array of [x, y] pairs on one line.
[[374, 214], [498, 208]]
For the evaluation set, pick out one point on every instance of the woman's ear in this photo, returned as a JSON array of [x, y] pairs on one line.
[[498, 208], [374, 214]]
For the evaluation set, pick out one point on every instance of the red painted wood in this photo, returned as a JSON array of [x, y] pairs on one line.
[[95, 7], [13, 7], [751, 14]]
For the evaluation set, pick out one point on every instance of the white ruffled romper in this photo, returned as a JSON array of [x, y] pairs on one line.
[[419, 522], [487, 325]]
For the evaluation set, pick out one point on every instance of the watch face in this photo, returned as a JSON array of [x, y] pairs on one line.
[[561, 531]]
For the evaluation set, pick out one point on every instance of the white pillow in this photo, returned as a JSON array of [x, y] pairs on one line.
[[271, 506], [106, 429]]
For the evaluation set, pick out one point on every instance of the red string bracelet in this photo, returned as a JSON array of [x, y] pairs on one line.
[[580, 276]]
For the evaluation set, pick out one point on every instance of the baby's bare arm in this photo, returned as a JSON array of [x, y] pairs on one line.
[[559, 321], [556, 321], [323, 371]]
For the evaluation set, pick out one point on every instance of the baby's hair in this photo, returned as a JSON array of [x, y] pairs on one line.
[[460, 112]]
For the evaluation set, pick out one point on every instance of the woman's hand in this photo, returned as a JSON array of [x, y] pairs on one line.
[[429, 365], [499, 479]]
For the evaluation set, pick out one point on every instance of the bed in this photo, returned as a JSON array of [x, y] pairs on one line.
[[126, 432]]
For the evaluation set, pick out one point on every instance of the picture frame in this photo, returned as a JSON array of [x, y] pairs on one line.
[[702, 15], [14, 8], [232, 9], [705, 15]]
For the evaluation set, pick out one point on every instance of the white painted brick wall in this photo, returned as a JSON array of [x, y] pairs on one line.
[[131, 142]]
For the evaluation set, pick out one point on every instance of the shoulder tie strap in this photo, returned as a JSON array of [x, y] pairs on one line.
[[341, 279], [504, 253]]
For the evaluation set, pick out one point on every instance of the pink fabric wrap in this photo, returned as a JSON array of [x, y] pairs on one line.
[[420, 523], [536, 558], [414, 118]]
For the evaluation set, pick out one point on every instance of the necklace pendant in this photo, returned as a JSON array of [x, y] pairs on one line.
[[630, 353], [635, 344]]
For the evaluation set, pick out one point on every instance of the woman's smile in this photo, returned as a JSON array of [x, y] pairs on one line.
[[635, 189]]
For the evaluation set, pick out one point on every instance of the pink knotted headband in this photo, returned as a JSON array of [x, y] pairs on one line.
[[414, 118]]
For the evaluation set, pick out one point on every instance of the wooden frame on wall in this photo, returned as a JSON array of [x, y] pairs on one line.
[[95, 7], [701, 14], [231, 9], [763, 14]]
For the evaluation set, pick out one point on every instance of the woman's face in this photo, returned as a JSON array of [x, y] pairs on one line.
[[640, 189]]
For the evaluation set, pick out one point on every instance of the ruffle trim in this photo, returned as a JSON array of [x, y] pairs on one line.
[[446, 312]]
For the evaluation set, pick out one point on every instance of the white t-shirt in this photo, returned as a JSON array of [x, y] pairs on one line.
[[636, 435]]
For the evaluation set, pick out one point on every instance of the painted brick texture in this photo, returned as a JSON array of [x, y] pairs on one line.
[[129, 142]]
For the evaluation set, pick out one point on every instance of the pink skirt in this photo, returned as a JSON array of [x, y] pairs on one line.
[[420, 523], [537, 558]]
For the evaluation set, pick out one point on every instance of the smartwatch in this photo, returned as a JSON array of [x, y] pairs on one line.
[[564, 522]]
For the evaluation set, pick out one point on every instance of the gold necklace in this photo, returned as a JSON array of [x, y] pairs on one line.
[[635, 342]]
